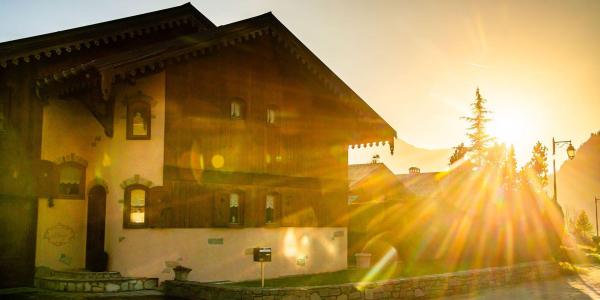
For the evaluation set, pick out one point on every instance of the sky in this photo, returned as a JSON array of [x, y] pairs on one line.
[[417, 63]]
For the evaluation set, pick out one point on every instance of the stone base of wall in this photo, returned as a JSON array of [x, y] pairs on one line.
[[405, 288]]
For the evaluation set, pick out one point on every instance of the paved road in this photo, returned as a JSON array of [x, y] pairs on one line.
[[583, 286]]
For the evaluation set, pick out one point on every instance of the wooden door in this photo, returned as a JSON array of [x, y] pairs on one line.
[[95, 258], [18, 217]]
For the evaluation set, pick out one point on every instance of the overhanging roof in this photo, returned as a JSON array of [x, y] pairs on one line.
[[151, 58], [72, 40]]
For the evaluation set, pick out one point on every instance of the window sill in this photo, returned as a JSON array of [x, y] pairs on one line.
[[70, 197], [131, 226]]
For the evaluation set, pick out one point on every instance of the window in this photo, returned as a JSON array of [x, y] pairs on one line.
[[138, 120], [237, 109], [272, 204], [134, 214], [272, 115], [71, 180], [234, 208]]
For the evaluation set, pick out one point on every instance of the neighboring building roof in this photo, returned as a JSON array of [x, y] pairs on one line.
[[421, 184], [376, 180], [358, 172]]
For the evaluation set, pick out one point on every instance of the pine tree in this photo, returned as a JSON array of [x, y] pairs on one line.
[[459, 153], [496, 154], [538, 164], [510, 169], [582, 226], [476, 131]]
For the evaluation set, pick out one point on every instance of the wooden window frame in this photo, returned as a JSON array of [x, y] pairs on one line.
[[276, 209], [276, 116], [82, 168], [241, 200], [135, 106], [242, 111], [127, 207]]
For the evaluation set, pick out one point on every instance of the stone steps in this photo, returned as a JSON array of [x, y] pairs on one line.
[[90, 282], [81, 274], [42, 294]]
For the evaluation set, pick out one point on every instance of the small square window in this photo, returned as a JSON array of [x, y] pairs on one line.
[[237, 109], [272, 203], [138, 121], [271, 116], [234, 208]]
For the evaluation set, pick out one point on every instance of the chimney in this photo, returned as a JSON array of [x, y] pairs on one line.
[[375, 159], [414, 170]]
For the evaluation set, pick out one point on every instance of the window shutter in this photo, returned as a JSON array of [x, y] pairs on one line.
[[307, 215], [221, 209], [289, 211], [155, 206], [47, 179]]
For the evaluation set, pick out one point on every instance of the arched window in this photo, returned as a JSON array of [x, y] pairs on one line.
[[134, 213], [138, 120], [71, 180], [272, 207], [237, 109]]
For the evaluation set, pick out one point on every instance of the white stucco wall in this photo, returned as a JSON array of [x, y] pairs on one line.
[[70, 128], [61, 230], [145, 252]]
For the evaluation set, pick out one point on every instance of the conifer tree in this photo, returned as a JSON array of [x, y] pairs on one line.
[[538, 164], [582, 226], [476, 132], [459, 153], [510, 169]]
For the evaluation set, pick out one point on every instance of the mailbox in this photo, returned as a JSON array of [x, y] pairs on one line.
[[262, 254]]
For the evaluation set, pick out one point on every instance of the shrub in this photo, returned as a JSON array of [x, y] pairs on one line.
[[593, 258], [567, 268]]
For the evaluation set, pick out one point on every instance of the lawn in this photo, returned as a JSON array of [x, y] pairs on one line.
[[351, 275]]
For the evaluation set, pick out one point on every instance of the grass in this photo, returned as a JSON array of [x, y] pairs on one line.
[[352, 275]]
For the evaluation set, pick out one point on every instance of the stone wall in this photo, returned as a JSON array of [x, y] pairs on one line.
[[405, 288]]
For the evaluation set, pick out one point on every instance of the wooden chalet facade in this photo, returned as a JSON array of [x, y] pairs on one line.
[[162, 138]]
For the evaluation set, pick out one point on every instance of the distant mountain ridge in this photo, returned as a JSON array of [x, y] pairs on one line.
[[578, 180]]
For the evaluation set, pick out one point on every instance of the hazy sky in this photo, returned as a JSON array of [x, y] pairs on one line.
[[417, 63]]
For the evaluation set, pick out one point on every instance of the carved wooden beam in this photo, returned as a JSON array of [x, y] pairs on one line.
[[101, 108]]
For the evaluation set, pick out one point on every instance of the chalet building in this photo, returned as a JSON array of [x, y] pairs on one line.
[[161, 139], [376, 201]]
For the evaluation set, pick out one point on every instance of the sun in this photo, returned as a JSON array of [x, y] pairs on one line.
[[516, 128], [508, 131]]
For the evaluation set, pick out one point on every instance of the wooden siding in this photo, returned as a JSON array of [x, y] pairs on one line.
[[303, 157]]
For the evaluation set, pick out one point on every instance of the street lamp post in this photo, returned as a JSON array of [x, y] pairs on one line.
[[570, 153], [596, 199]]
